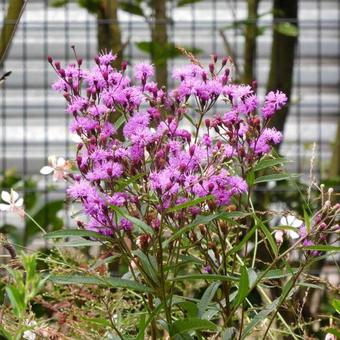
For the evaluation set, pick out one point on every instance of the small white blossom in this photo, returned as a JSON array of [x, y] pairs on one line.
[[13, 202], [294, 222], [330, 336], [58, 166], [29, 335]]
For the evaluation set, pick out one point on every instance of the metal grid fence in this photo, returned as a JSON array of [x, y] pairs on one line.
[[34, 124]]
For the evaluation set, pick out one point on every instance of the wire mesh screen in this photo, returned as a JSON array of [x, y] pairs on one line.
[[34, 124]]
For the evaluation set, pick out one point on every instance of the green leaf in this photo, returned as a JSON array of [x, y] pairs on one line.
[[287, 29], [149, 264], [278, 273], [322, 248], [233, 215], [243, 286], [268, 163], [191, 324], [132, 8], [92, 6], [202, 219], [76, 233], [59, 3], [207, 277], [139, 224], [160, 53], [155, 312], [125, 182], [112, 282], [5, 334], [259, 317], [269, 236], [189, 307], [188, 117], [336, 305], [181, 3], [250, 178], [120, 121], [274, 178], [207, 297], [78, 244], [190, 203], [17, 300]]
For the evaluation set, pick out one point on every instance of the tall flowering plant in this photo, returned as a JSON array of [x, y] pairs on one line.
[[168, 187]]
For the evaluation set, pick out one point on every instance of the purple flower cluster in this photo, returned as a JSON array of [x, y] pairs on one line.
[[155, 161]]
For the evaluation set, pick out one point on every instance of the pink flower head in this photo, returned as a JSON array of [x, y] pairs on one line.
[[143, 71], [274, 101], [106, 58]]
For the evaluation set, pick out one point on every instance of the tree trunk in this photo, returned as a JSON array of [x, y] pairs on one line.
[[282, 57], [14, 11], [159, 37], [250, 42], [109, 34]]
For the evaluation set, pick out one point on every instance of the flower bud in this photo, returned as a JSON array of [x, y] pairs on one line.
[[124, 65], [192, 150], [202, 228], [62, 73], [224, 61], [143, 241]]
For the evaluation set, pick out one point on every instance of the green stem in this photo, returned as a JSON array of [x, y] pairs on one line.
[[35, 222], [282, 300]]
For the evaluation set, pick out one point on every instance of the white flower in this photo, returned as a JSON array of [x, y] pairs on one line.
[[294, 222], [58, 166], [13, 202], [29, 335], [330, 336]]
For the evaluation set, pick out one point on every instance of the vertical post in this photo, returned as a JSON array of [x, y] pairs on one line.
[[159, 37], [109, 34], [282, 56], [250, 42]]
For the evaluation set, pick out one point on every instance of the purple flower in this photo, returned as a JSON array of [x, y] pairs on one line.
[[106, 58], [274, 101], [143, 71], [81, 189], [138, 121], [118, 199], [206, 140], [249, 104], [78, 104], [125, 224], [267, 138], [189, 71]]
